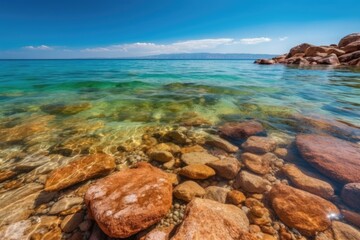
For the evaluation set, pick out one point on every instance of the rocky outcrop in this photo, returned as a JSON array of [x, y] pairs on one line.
[[129, 201], [207, 219], [79, 170], [345, 53], [335, 158], [304, 211]]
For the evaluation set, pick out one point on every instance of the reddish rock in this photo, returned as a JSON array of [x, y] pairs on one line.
[[161, 233], [79, 170], [235, 197], [315, 51], [338, 159], [355, 62], [351, 217], [352, 47], [190, 149], [161, 156], [198, 158], [297, 60], [344, 231], [308, 183], [129, 201], [350, 194], [197, 171], [241, 130], [226, 168], [207, 219], [259, 145], [251, 183], [6, 174], [221, 143], [304, 211], [349, 56], [256, 163], [215, 193], [298, 49], [331, 59], [188, 190], [266, 61], [349, 39]]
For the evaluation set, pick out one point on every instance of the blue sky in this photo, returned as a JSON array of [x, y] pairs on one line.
[[127, 28]]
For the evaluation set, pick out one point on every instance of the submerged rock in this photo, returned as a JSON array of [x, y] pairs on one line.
[[259, 145], [65, 109], [308, 183], [198, 158], [338, 159], [259, 164], [304, 211], [344, 231], [241, 130], [207, 219], [79, 170], [350, 194], [122, 208], [188, 190], [215, 193], [221, 143], [351, 217], [251, 183]]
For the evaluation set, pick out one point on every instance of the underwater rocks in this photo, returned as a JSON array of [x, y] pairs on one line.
[[129, 201], [344, 231], [188, 190], [240, 130], [65, 109], [308, 183], [227, 168], [259, 164], [345, 53], [260, 145], [304, 211], [198, 158], [79, 170], [197, 171], [207, 219], [350, 194], [251, 183], [338, 159], [218, 142]]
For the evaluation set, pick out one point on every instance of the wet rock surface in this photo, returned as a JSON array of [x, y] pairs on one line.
[[304, 211], [122, 208], [241, 130], [336, 158], [351, 195]]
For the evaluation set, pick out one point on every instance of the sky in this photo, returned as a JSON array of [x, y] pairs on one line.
[[135, 28]]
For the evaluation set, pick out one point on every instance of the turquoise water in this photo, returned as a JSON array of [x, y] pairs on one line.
[[111, 100]]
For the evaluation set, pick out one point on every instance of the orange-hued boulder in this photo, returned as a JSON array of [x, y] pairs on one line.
[[129, 201], [79, 170], [304, 211], [298, 49], [336, 158], [197, 171], [207, 219]]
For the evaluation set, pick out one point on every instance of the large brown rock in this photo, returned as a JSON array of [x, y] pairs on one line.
[[198, 158], [349, 39], [350, 194], [349, 56], [240, 130], [351, 217], [256, 163], [338, 159], [308, 183], [79, 170], [352, 47], [207, 219], [304, 211], [298, 49], [197, 171], [331, 59], [323, 51], [129, 201], [218, 142]]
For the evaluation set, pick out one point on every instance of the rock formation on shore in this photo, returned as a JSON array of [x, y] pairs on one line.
[[346, 52]]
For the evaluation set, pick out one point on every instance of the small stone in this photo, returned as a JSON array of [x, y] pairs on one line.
[[177, 137], [235, 197], [188, 190], [173, 178], [161, 156], [71, 222], [197, 171], [195, 148], [64, 204], [251, 182], [218, 142], [254, 228], [240, 130], [170, 164], [350, 194], [259, 145], [227, 168], [215, 193], [256, 163], [198, 158]]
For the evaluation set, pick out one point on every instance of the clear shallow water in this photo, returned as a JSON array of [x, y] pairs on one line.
[[103, 102]]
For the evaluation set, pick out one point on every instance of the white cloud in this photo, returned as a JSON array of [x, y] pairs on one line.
[[283, 38], [41, 47], [153, 48], [254, 40]]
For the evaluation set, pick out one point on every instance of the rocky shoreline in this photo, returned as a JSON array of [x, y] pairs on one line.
[[234, 181], [346, 53]]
